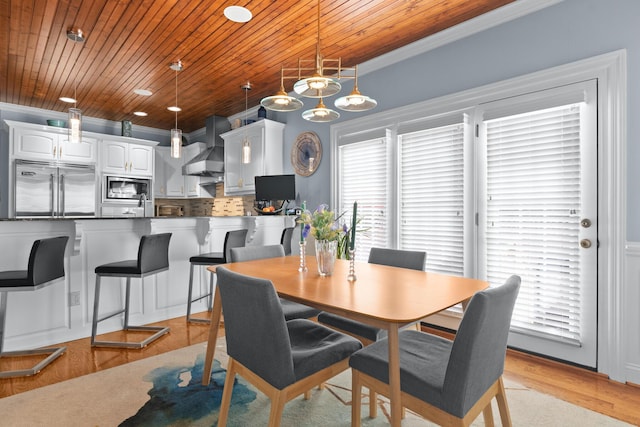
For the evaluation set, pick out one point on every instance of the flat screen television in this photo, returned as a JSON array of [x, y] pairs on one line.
[[275, 187]]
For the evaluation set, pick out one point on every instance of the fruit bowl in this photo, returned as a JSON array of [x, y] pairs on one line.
[[262, 212]]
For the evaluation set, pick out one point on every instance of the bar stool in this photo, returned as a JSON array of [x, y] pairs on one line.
[[233, 239], [285, 240], [45, 266], [153, 258]]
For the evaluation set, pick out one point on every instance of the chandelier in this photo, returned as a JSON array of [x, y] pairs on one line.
[[318, 78], [176, 134]]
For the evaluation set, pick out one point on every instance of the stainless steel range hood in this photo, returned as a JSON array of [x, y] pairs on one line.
[[208, 163], [211, 161]]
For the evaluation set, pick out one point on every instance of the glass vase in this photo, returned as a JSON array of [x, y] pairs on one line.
[[326, 256]]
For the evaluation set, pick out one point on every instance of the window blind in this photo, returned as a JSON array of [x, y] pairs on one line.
[[431, 196], [363, 178], [533, 199]]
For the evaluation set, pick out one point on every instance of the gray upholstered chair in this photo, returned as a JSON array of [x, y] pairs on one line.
[[414, 260], [292, 310], [285, 240], [45, 266], [447, 382], [153, 258], [232, 239], [283, 359]]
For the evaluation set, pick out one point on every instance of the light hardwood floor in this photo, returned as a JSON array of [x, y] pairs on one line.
[[575, 385]]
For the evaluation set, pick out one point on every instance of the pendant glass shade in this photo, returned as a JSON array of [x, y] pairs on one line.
[[317, 86], [246, 151], [320, 114], [75, 125], [281, 102], [176, 143], [355, 101]]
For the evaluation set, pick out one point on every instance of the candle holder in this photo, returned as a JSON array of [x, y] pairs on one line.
[[352, 266], [303, 257]]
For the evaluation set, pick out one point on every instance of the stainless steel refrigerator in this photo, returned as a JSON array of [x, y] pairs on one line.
[[54, 190]]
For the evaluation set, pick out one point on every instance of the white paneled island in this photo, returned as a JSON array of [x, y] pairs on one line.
[[62, 311]]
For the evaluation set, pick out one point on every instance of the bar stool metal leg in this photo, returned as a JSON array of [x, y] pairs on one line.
[[191, 300]]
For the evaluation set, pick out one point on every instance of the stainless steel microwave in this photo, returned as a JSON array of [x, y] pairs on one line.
[[118, 188]]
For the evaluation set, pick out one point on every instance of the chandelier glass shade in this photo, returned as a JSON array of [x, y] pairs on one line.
[[318, 78], [75, 114], [246, 144]]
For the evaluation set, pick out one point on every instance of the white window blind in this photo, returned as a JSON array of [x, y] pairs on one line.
[[431, 196], [363, 178], [533, 199]]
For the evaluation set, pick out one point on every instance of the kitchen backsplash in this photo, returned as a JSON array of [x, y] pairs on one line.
[[218, 206]]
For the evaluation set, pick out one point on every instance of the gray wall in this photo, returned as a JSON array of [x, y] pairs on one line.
[[563, 33]]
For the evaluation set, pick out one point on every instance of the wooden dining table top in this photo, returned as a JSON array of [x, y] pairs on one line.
[[380, 294]]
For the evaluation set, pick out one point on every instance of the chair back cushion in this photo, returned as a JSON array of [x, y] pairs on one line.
[[255, 329], [249, 253], [233, 239], [414, 260], [478, 352], [285, 240], [46, 260], [153, 252]]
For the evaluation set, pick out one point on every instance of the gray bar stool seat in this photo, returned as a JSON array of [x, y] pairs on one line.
[[45, 266], [233, 239], [153, 258]]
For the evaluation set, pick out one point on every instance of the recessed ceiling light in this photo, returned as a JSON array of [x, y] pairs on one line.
[[238, 14], [67, 99], [140, 113], [143, 92], [176, 109]]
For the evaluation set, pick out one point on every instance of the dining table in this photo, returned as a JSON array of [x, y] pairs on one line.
[[382, 296]]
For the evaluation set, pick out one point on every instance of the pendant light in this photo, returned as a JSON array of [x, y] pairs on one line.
[[246, 144], [75, 114], [176, 134], [355, 101]]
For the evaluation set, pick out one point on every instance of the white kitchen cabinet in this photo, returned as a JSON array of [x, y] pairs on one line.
[[35, 142], [169, 181], [127, 158], [266, 139]]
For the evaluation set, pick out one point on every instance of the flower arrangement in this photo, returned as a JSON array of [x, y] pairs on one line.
[[323, 224]]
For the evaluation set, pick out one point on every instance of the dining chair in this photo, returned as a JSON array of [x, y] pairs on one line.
[[232, 239], [414, 260], [153, 258], [292, 310], [44, 267], [447, 382], [282, 359], [285, 239]]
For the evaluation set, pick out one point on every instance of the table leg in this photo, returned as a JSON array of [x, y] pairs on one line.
[[213, 337], [394, 376]]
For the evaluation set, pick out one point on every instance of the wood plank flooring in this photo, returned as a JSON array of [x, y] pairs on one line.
[[572, 384]]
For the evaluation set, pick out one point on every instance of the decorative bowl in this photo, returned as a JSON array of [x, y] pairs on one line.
[[57, 123]]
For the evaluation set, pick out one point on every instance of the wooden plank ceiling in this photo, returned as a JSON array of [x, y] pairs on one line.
[[130, 44]]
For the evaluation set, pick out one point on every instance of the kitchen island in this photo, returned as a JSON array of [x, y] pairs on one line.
[[62, 312]]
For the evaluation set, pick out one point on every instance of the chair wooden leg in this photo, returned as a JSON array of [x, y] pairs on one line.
[[277, 406], [226, 393], [356, 398], [501, 397], [307, 395], [487, 413], [373, 404]]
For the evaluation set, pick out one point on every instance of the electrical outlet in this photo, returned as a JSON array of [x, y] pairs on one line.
[[74, 298]]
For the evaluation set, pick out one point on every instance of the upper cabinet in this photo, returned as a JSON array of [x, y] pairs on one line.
[[266, 140], [127, 158], [36, 142]]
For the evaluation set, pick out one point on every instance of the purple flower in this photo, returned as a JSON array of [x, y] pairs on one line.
[[345, 230]]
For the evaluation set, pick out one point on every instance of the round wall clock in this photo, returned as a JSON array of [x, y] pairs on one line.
[[306, 153]]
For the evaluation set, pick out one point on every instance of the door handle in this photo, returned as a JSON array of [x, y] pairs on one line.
[[585, 223]]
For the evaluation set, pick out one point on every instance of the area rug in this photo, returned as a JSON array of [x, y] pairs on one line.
[[166, 390]]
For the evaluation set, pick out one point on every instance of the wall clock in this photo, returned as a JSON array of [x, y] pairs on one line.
[[306, 153]]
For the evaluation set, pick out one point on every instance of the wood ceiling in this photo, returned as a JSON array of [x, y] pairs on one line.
[[130, 44]]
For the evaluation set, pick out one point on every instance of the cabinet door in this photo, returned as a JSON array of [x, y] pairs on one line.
[[173, 175], [115, 157], [159, 180], [140, 160], [83, 152], [256, 167], [233, 167], [192, 183], [33, 144]]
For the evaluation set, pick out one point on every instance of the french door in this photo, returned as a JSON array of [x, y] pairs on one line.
[[538, 215]]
